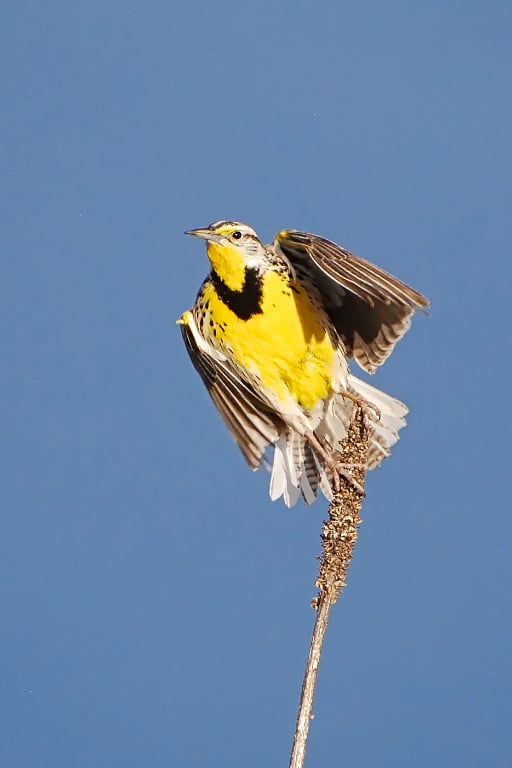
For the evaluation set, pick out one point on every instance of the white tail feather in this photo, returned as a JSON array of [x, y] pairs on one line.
[[384, 432], [298, 471]]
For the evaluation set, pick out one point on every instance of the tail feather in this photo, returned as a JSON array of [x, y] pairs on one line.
[[284, 480], [297, 470], [311, 472], [383, 432]]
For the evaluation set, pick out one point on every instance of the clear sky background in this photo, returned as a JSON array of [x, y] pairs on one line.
[[154, 603]]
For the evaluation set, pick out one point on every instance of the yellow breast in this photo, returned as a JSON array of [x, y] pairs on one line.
[[287, 344]]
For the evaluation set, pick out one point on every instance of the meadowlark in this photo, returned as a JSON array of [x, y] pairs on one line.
[[271, 332]]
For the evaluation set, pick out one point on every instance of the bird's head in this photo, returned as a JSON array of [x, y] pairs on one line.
[[232, 248]]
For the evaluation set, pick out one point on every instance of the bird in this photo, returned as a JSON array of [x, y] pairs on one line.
[[271, 332]]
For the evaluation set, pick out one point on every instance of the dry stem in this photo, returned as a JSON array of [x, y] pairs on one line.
[[339, 536]]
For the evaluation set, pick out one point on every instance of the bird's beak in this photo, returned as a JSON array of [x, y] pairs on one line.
[[204, 234]]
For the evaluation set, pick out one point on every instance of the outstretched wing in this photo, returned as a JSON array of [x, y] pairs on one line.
[[249, 419], [370, 309]]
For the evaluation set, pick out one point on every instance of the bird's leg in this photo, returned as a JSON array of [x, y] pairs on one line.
[[337, 468]]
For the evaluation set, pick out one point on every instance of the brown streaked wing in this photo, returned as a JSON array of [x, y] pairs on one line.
[[253, 425], [371, 312]]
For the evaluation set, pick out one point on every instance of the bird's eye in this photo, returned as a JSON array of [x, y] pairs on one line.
[[236, 235]]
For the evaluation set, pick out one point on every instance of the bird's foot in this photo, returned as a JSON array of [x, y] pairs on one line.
[[338, 469]]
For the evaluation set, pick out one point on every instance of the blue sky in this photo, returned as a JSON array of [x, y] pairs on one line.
[[155, 603]]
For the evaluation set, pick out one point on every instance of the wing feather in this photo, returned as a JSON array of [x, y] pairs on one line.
[[253, 425], [370, 309]]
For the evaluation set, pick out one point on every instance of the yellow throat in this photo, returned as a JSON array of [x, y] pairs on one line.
[[228, 263]]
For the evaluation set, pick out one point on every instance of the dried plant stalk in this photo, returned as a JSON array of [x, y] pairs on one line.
[[339, 536]]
